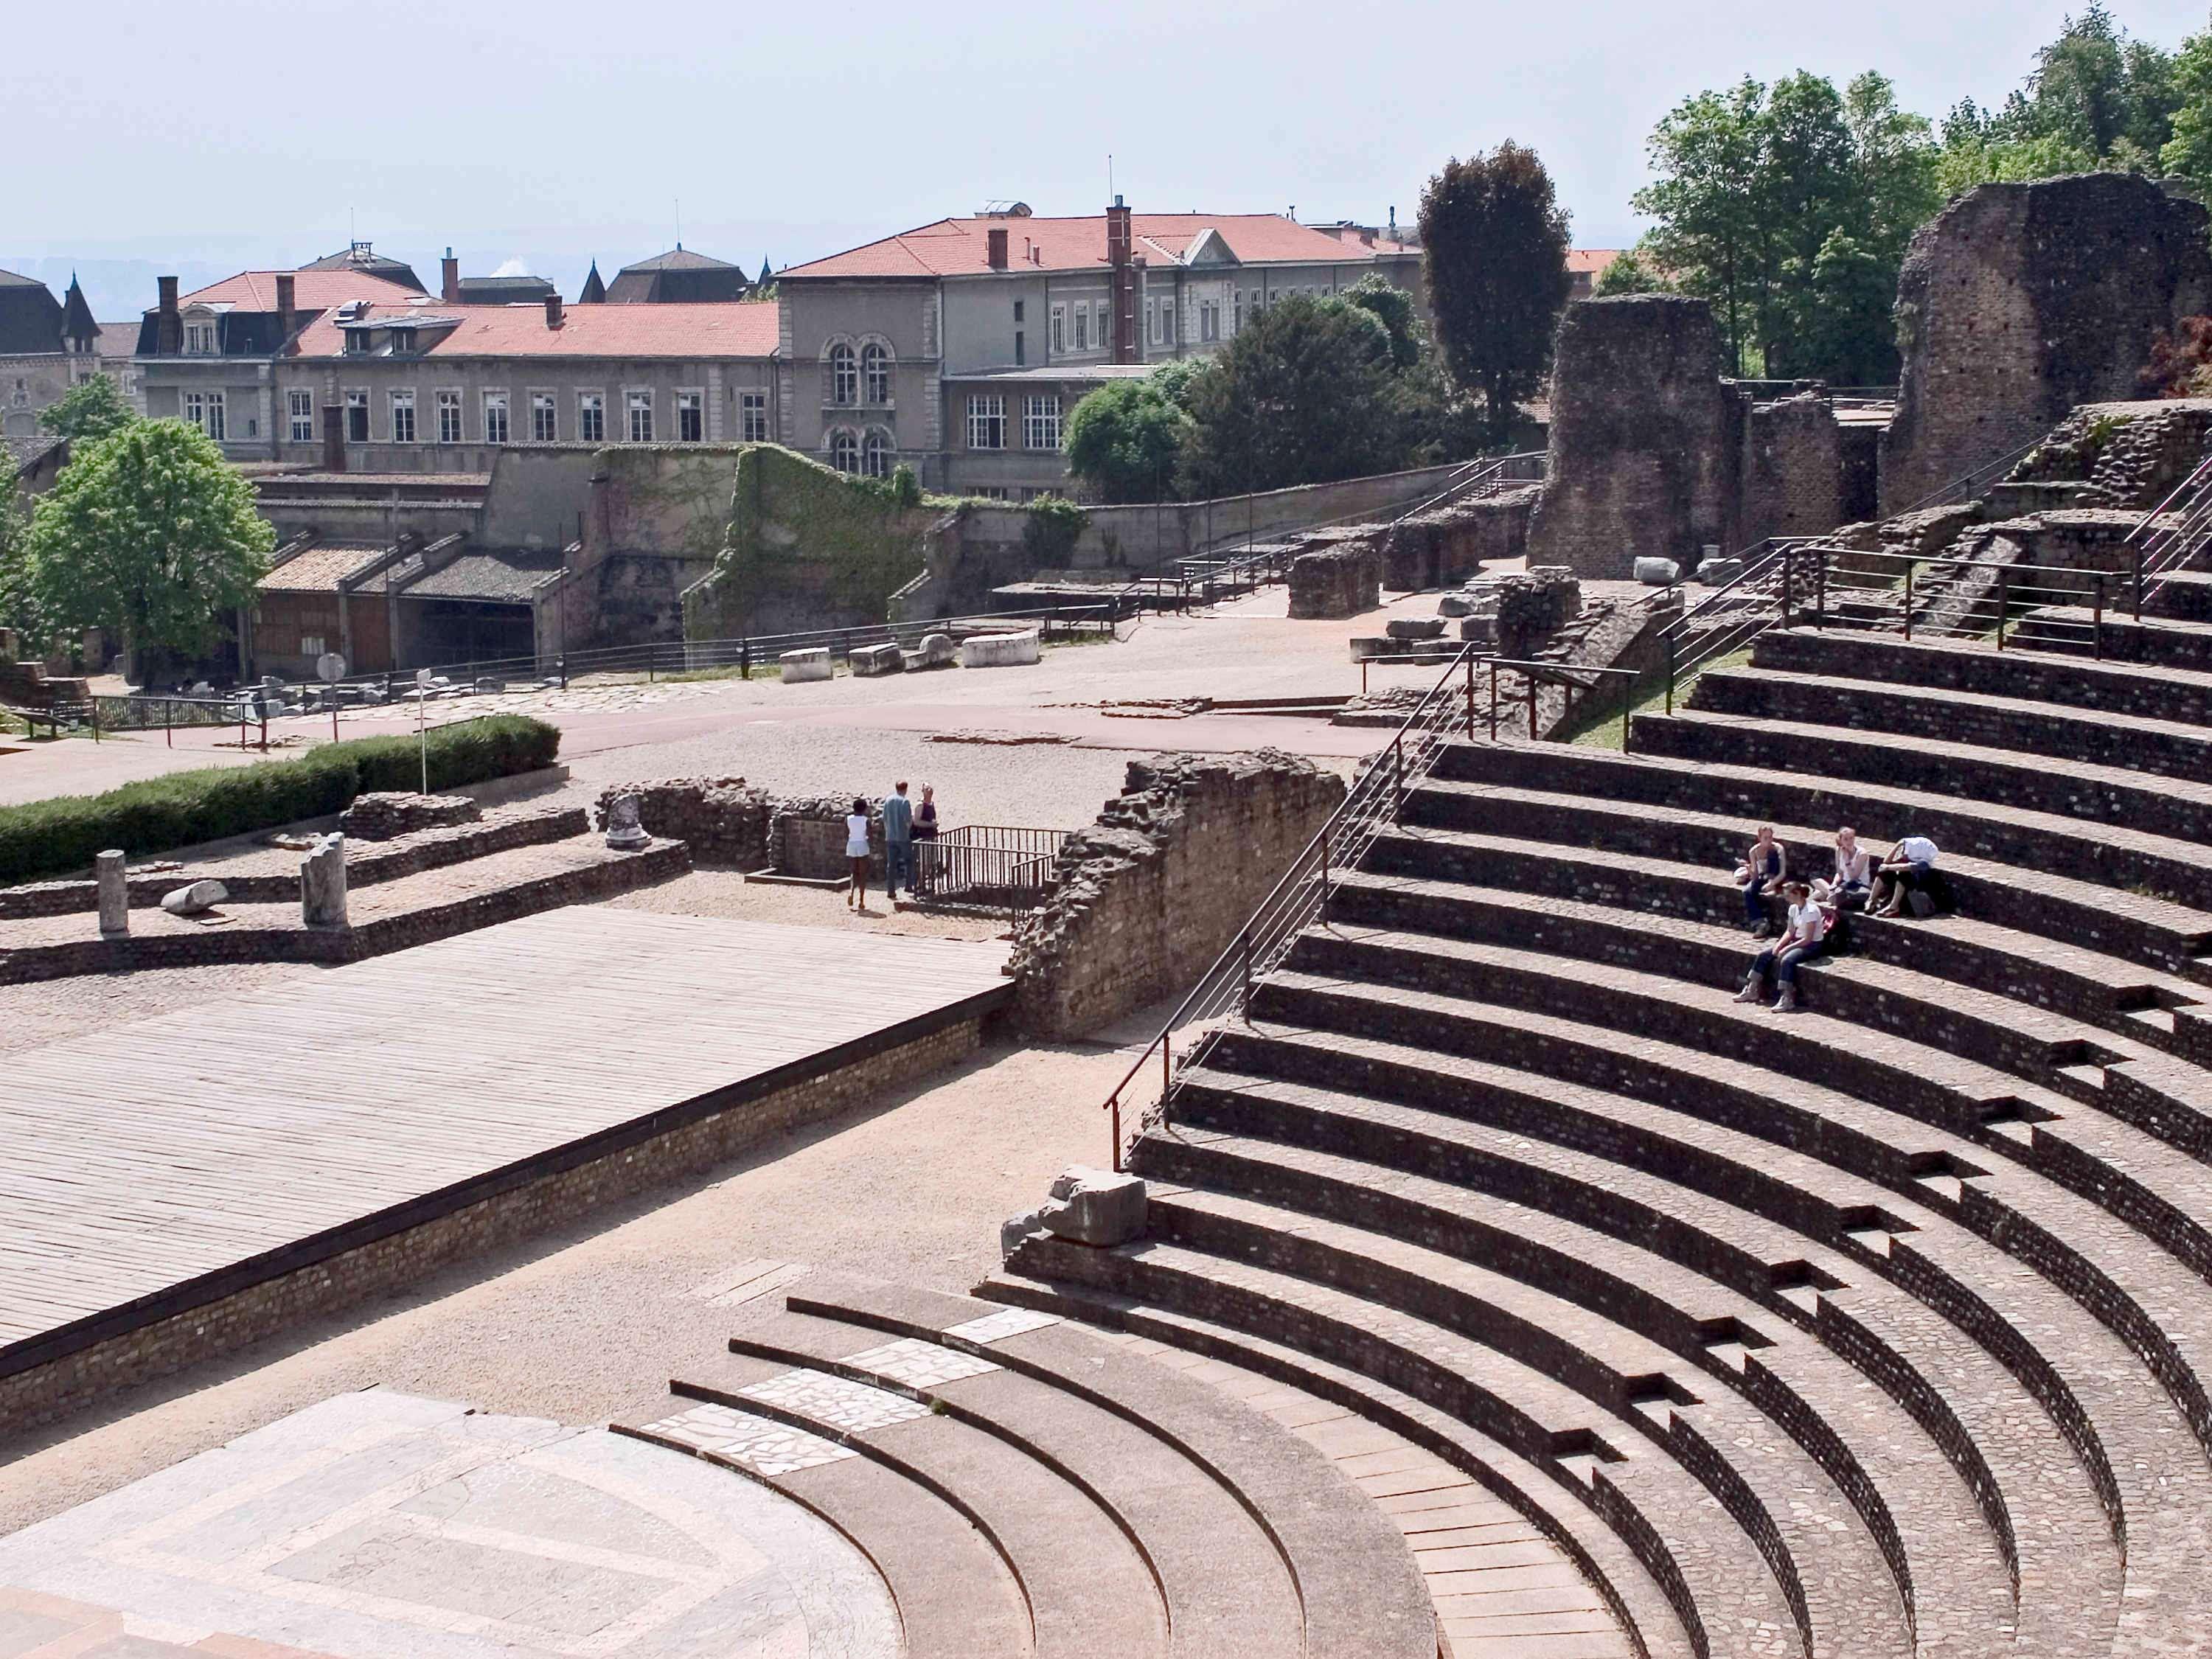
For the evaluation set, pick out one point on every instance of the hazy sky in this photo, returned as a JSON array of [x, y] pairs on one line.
[[248, 132]]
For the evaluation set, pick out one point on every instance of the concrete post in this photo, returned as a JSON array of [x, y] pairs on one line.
[[322, 883], [114, 896]]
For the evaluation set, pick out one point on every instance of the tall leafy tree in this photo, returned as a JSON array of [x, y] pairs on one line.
[[2188, 153], [1494, 249], [2096, 99], [1304, 394], [1394, 308], [150, 534], [1705, 207], [18, 600], [88, 411], [1629, 273], [1125, 440]]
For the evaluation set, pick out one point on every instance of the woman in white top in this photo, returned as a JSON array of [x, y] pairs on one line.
[[856, 850], [1847, 886], [1805, 939]]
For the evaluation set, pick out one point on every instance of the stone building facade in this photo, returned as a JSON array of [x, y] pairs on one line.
[[2019, 301], [960, 347], [47, 346]]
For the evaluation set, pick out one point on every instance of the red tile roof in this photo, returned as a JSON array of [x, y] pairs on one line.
[[1592, 259], [726, 329], [958, 247], [312, 290]]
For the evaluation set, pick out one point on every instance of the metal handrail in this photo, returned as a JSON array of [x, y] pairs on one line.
[[2160, 549], [1301, 893]]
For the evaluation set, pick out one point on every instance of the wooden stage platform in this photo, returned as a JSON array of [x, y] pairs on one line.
[[154, 1167]]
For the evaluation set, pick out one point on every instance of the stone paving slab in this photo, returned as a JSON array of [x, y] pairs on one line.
[[380, 1524]]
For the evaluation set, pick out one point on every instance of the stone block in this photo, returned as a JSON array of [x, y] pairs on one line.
[[800, 666], [1415, 628], [938, 651], [1095, 1207], [1482, 628], [1658, 573], [870, 661], [382, 814], [322, 883], [1372, 646], [625, 828], [1454, 604], [115, 894], [189, 901], [1719, 573], [999, 650]]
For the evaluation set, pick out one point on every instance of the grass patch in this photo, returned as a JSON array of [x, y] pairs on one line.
[[1601, 728], [54, 836]]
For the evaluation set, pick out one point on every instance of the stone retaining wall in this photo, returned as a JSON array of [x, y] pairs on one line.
[[1148, 896], [1336, 581], [726, 822], [381, 1257], [1450, 543]]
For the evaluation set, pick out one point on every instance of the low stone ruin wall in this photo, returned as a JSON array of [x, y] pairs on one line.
[[1148, 896], [382, 814], [725, 821], [1335, 582], [1449, 543]]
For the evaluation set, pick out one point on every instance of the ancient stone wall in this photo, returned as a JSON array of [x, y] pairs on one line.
[[2021, 301], [720, 819], [1148, 896], [1449, 543], [1644, 439], [1345, 580], [381, 814], [1792, 476]]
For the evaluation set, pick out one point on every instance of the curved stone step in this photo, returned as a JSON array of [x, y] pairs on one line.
[[1949, 1562], [1085, 1584], [1225, 1590], [957, 1594], [1360, 1594], [1674, 1525], [2021, 726], [2161, 805], [1605, 1561]]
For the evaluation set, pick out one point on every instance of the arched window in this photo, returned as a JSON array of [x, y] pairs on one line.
[[844, 448], [844, 380], [876, 373], [878, 452]]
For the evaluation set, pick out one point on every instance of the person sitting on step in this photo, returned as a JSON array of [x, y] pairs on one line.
[[1805, 938], [1906, 877], [1761, 876], [1852, 880]]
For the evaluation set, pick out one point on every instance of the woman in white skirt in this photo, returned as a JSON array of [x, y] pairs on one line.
[[856, 850]]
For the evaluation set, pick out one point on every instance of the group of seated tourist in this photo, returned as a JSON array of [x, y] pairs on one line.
[[1812, 909]]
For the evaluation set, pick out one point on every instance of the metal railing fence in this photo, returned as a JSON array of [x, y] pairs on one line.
[[996, 866]]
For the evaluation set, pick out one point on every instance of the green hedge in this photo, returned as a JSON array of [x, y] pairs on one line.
[[54, 837]]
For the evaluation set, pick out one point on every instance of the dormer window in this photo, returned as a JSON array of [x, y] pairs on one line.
[[200, 340]]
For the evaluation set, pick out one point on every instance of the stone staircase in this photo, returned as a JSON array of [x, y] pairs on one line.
[[1025, 1487], [1878, 1328]]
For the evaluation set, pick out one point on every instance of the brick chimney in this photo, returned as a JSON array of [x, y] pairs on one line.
[[1121, 281], [333, 438], [996, 238], [553, 313], [169, 330], [287, 308], [450, 288]]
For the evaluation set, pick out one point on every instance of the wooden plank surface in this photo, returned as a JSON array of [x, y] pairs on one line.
[[134, 1160]]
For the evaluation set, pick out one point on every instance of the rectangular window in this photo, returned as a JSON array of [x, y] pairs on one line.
[[196, 409], [690, 418], [1059, 330], [544, 422], [1018, 311], [986, 422], [1209, 319], [449, 418], [1158, 309], [752, 411], [403, 417], [1236, 307], [1083, 325], [495, 427], [1021, 351], [200, 339], [357, 417], [640, 417], [302, 407], [214, 416], [591, 416], [1041, 421]]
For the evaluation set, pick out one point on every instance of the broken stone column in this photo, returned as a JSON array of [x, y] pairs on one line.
[[192, 900], [114, 894], [322, 883]]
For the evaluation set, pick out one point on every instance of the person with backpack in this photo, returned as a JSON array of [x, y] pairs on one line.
[[1906, 877]]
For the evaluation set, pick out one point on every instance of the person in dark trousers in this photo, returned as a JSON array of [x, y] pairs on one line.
[[925, 836], [856, 854], [898, 841], [1906, 877], [1761, 876], [1806, 937]]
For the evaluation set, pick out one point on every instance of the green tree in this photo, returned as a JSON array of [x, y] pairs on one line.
[[1840, 305], [18, 600], [1629, 273], [1893, 159], [1125, 440], [1394, 308], [1304, 394], [2188, 153], [2095, 99], [87, 411], [1494, 251], [1705, 206], [150, 534]]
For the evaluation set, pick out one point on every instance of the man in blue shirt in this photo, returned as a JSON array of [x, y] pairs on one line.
[[899, 841]]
